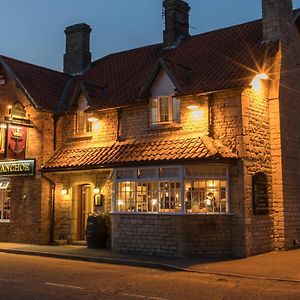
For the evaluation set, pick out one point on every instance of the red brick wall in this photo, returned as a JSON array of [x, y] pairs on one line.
[[30, 207]]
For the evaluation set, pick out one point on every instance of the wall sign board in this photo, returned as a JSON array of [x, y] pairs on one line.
[[17, 167], [260, 194]]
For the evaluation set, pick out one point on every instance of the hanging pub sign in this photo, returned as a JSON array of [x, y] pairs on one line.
[[16, 142], [24, 167], [260, 194]]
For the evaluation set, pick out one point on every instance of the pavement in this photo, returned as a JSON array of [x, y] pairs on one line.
[[276, 265]]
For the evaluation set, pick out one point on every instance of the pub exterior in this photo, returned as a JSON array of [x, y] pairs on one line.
[[189, 146]]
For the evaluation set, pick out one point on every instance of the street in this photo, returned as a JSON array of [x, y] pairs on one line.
[[32, 277]]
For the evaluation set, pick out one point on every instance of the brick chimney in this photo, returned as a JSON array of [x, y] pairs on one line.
[[277, 18], [176, 21], [78, 56]]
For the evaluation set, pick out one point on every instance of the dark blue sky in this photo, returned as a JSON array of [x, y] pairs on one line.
[[33, 30]]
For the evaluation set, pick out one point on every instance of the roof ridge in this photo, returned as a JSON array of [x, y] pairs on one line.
[[34, 65]]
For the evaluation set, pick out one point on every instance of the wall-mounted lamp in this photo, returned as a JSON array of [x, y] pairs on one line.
[[193, 107], [96, 190], [64, 191], [256, 82], [93, 119]]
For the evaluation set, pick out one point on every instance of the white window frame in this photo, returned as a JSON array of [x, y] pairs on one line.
[[171, 113], [86, 126], [5, 196], [157, 179]]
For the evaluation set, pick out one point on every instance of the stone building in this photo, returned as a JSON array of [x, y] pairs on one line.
[[191, 145]]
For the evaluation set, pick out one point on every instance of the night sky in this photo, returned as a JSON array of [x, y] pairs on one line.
[[33, 30]]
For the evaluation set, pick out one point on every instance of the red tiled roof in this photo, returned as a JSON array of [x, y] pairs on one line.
[[137, 151], [44, 86], [216, 60]]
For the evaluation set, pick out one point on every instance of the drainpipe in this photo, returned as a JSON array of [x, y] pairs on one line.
[[210, 125], [55, 120], [52, 195], [119, 112]]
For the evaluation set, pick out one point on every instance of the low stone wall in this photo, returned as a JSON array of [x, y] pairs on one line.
[[172, 235]]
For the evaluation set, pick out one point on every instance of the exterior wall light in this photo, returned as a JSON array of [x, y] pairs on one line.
[[64, 191], [96, 190], [256, 82], [93, 119], [193, 107]]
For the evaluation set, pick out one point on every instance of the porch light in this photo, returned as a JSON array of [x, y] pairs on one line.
[[256, 82], [64, 191], [93, 119], [96, 190], [193, 107]]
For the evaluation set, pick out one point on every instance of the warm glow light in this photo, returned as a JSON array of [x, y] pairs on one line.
[[256, 82], [193, 107], [262, 76], [96, 190], [93, 119], [64, 191], [9, 106], [120, 202], [154, 201]]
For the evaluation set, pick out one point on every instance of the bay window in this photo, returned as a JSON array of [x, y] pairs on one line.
[[179, 189], [164, 110]]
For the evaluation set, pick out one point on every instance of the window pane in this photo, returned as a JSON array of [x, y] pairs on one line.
[[169, 172], [5, 198], [169, 196], [146, 173], [176, 110], [125, 174], [154, 111], [164, 109], [205, 196]]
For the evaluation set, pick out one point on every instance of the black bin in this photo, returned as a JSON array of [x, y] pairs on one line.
[[96, 231]]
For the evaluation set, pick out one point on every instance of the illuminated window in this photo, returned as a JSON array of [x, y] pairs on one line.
[[5, 195], [164, 110], [181, 189], [206, 189], [81, 123], [2, 137]]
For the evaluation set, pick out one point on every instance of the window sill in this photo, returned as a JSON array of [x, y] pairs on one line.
[[81, 137], [168, 126], [4, 221]]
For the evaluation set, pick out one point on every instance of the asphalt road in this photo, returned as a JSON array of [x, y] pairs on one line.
[[31, 277]]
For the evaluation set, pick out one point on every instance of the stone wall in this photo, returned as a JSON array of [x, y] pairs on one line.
[[172, 235]]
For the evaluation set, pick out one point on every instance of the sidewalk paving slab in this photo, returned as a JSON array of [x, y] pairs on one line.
[[276, 265]]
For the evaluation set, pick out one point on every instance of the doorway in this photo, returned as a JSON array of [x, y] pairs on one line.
[[84, 207]]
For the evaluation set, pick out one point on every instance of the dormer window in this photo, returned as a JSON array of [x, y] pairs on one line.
[[82, 123], [164, 110]]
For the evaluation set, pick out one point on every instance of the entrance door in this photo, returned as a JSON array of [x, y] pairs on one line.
[[84, 196]]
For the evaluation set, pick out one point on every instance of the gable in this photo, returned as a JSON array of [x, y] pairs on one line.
[[82, 103], [162, 85]]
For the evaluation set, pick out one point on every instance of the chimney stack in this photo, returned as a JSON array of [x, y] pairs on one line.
[[277, 18], [78, 56], [176, 21]]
